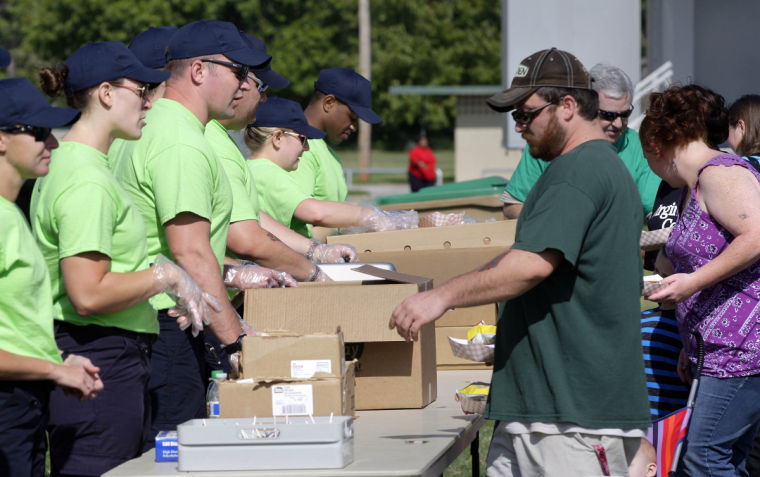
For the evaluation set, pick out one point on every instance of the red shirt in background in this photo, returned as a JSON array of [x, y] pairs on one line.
[[422, 163]]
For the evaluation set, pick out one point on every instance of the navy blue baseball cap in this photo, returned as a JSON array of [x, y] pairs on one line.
[[213, 37], [350, 88], [95, 63], [5, 57], [265, 73], [150, 46], [284, 113], [22, 103]]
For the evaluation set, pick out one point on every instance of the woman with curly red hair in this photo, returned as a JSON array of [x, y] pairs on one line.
[[716, 259]]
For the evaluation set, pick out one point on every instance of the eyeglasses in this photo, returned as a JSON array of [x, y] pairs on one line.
[[143, 91], [611, 116], [259, 84], [304, 140], [523, 118], [241, 71], [39, 133]]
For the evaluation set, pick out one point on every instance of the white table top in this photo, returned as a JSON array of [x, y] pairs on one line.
[[401, 442]]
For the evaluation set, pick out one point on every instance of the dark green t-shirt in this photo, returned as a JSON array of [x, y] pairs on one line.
[[569, 349]]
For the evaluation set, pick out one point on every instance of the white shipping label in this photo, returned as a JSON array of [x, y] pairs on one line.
[[306, 368], [292, 400]]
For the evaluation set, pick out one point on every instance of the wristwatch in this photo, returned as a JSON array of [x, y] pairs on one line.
[[233, 348]]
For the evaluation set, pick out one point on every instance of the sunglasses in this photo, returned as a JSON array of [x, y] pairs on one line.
[[611, 116], [241, 71], [304, 140], [39, 133], [523, 118], [143, 91], [259, 84]]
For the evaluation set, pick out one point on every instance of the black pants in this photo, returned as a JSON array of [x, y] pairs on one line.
[[416, 183], [23, 415], [92, 437], [178, 380]]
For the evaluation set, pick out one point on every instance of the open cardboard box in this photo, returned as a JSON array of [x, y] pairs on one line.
[[499, 233], [442, 266], [320, 395], [391, 373], [294, 355], [479, 207]]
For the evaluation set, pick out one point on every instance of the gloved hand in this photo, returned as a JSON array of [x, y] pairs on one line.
[[194, 306], [244, 277], [383, 220], [335, 253], [234, 358]]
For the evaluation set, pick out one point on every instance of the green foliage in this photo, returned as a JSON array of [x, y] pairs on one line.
[[444, 42]]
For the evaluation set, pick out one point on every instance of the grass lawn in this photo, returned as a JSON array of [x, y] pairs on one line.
[[379, 158]]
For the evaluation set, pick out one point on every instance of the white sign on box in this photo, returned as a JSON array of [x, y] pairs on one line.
[[307, 368], [293, 399]]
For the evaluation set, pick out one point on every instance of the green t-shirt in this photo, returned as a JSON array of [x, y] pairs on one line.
[[279, 193], [569, 349], [245, 200], [628, 148], [320, 172], [79, 207], [26, 305], [172, 169]]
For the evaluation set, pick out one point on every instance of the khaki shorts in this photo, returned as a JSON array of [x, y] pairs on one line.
[[565, 455]]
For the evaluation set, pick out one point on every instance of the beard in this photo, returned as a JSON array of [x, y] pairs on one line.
[[550, 145]]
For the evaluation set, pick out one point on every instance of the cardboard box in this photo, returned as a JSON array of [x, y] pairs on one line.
[[442, 266], [479, 207], [283, 353], [391, 373], [499, 233], [445, 357], [321, 395]]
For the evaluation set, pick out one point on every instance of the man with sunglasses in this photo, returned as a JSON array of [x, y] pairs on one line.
[[568, 386], [183, 193], [615, 94], [341, 97]]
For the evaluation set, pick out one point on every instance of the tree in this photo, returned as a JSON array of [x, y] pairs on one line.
[[446, 42]]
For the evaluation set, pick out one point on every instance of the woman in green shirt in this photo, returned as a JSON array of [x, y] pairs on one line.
[[277, 139], [93, 239], [30, 364]]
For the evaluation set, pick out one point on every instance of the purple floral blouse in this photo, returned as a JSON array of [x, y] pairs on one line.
[[727, 313]]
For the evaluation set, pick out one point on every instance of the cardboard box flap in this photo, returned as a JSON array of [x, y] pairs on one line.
[[423, 283]]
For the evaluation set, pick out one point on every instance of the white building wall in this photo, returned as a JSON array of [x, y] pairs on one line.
[[593, 30]]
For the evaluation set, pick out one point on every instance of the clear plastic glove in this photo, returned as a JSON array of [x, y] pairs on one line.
[[335, 253], [194, 306], [383, 220], [244, 277]]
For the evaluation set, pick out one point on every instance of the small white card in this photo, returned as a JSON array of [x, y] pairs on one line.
[[306, 368], [293, 399]]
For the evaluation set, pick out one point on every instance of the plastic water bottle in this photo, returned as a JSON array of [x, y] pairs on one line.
[[212, 395]]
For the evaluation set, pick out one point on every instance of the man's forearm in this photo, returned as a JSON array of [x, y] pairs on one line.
[[188, 237], [252, 242], [515, 274]]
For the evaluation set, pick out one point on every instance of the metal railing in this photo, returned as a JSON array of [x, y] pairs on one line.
[[657, 80], [350, 171]]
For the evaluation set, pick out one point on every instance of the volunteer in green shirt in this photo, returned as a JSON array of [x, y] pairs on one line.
[[183, 194], [93, 240], [615, 95], [30, 363], [341, 97], [568, 373], [246, 239], [277, 139]]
